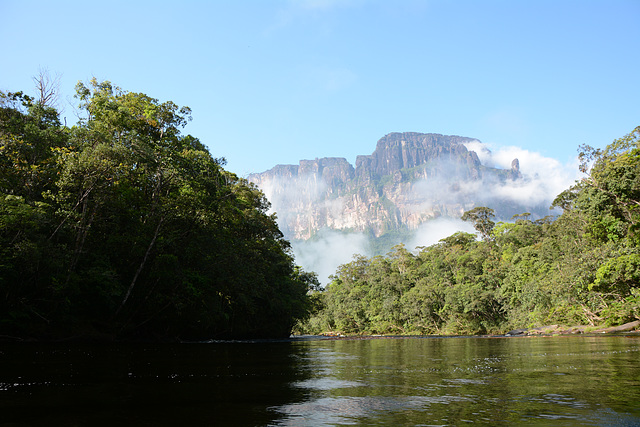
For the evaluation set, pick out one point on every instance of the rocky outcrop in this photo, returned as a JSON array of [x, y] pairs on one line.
[[407, 150], [410, 178]]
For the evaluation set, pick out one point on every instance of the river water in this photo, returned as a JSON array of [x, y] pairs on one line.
[[563, 381]]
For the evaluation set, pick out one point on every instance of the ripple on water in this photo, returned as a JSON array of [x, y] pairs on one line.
[[465, 381], [352, 410], [326, 384]]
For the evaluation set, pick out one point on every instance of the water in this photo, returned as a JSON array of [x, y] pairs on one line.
[[564, 381]]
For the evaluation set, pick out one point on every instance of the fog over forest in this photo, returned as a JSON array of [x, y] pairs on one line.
[[543, 178]]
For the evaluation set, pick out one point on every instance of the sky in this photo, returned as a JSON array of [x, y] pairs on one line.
[[274, 82]]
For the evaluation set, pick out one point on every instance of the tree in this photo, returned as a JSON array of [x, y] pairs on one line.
[[47, 88], [481, 217], [130, 229], [30, 134], [610, 193]]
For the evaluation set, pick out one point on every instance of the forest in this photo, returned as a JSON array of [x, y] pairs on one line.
[[122, 228], [581, 267]]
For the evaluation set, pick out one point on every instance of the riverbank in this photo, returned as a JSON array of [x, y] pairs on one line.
[[582, 329], [541, 330]]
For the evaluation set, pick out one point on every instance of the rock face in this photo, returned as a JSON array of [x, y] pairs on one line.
[[410, 178], [407, 150]]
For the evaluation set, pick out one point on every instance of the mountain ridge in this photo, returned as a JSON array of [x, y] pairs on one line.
[[409, 179]]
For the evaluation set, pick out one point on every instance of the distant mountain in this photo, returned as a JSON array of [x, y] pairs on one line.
[[410, 178]]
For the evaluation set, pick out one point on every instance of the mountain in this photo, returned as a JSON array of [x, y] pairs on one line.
[[410, 179]]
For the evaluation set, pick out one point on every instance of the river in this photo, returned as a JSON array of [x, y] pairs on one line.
[[561, 380]]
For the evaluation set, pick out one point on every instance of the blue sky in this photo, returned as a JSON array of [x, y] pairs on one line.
[[278, 81]]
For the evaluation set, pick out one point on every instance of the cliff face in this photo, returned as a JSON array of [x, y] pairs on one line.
[[407, 150], [409, 179]]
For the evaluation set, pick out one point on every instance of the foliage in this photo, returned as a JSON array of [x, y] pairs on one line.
[[582, 267], [481, 217], [122, 227]]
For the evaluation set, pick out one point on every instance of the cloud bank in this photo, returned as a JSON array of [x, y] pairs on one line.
[[432, 232], [542, 180], [543, 177], [328, 250]]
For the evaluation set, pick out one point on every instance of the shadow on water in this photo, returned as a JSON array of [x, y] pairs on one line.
[[314, 382], [187, 384]]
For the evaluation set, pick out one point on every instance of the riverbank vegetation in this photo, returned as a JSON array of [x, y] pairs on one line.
[[579, 268], [121, 227]]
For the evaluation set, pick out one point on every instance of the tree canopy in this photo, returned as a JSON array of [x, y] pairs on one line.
[[579, 268], [121, 227]]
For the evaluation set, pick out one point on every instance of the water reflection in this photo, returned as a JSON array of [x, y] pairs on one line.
[[428, 381], [410, 381]]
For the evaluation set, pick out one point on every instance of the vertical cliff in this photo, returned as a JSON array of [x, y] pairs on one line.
[[409, 179]]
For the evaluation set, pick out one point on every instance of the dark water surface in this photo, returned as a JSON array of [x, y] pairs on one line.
[[564, 381]]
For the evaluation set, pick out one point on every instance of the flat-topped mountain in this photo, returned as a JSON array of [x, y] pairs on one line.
[[409, 179], [397, 151]]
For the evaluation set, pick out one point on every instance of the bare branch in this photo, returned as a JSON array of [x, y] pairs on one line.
[[48, 88]]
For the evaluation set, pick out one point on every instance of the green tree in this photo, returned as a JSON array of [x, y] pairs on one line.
[[610, 193], [582, 267], [481, 217], [123, 227]]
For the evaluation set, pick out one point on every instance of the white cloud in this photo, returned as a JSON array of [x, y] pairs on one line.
[[432, 232], [482, 150], [443, 194], [543, 177], [291, 195], [328, 251]]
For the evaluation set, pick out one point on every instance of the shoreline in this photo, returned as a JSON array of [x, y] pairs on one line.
[[548, 330], [630, 328], [581, 329]]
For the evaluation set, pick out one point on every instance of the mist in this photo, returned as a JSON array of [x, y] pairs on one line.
[[290, 196], [328, 250], [321, 227], [543, 177], [433, 231]]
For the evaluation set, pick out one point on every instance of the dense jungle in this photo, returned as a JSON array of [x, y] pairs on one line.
[[581, 267], [121, 227]]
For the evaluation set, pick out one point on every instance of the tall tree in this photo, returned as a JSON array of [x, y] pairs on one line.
[[481, 217], [152, 237]]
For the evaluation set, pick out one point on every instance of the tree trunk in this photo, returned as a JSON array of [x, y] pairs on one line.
[[141, 266]]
